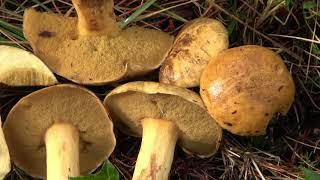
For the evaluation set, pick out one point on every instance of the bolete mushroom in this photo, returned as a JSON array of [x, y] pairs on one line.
[[244, 87], [197, 43], [163, 115], [21, 68], [91, 49], [5, 164], [64, 129]]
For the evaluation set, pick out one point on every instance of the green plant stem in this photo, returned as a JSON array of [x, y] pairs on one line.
[[134, 15]]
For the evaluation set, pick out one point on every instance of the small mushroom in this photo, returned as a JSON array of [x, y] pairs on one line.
[[21, 68], [59, 131], [197, 43], [162, 115], [5, 165], [244, 87], [91, 49]]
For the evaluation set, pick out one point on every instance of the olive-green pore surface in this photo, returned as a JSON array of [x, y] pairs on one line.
[[93, 59], [199, 133], [27, 122]]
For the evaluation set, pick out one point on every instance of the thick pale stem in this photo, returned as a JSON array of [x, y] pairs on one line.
[[95, 17], [157, 150], [62, 146], [4, 155]]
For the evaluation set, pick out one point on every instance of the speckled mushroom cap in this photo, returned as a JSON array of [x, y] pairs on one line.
[[130, 103], [94, 60], [29, 119], [196, 44], [244, 87], [21, 68]]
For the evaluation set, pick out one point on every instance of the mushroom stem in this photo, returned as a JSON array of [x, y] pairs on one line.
[[62, 146], [5, 165], [95, 17], [157, 149]]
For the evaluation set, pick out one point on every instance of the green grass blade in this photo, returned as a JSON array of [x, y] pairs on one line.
[[2, 39], [42, 5], [171, 14], [134, 15], [21, 38], [12, 13], [12, 29], [12, 3]]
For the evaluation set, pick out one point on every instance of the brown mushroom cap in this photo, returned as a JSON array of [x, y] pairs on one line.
[[29, 119], [196, 44], [130, 103], [244, 87], [21, 68], [5, 164], [94, 60]]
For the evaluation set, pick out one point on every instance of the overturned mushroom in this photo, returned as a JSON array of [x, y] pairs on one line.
[[163, 115], [21, 68], [91, 49], [5, 164], [197, 43], [64, 129], [244, 87]]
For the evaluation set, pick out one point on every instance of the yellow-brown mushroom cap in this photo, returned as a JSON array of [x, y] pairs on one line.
[[94, 60], [5, 166], [244, 87], [196, 44], [29, 119], [21, 68], [130, 103]]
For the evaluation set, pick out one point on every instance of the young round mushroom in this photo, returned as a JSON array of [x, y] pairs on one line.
[[21, 68], [244, 87], [163, 115], [5, 164], [196, 44], [59, 131], [91, 49]]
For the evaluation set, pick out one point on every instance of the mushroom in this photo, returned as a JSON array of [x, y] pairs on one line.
[[21, 68], [196, 44], [5, 165], [91, 49], [244, 87], [63, 128], [162, 115]]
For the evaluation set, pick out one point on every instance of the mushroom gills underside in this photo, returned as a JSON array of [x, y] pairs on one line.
[[198, 134]]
